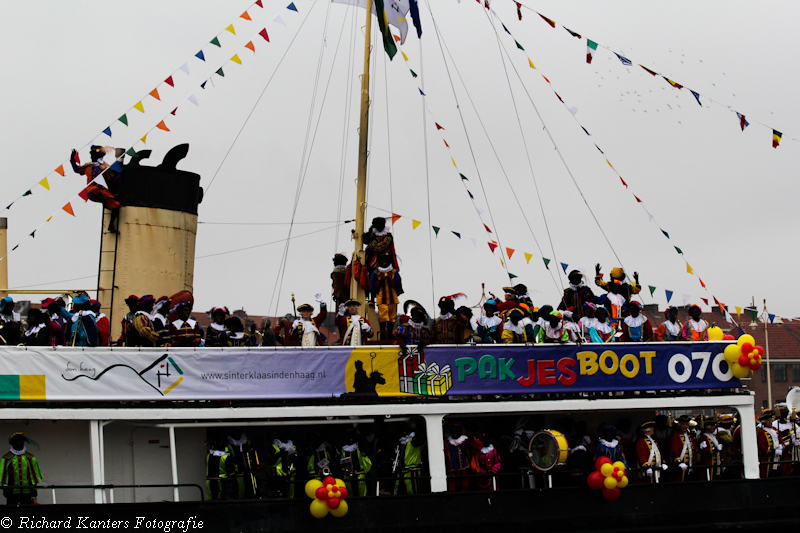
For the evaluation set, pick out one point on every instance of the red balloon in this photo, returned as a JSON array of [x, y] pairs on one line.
[[334, 503], [601, 461], [322, 493], [610, 494], [595, 480], [760, 350], [744, 360], [328, 481], [746, 348], [344, 492], [756, 366], [728, 338]]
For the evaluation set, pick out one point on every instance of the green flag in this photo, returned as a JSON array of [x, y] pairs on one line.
[[753, 314], [519, 45], [546, 263], [652, 289], [383, 24], [463, 177], [511, 276], [222, 74], [413, 73], [28, 193], [679, 250], [215, 42], [131, 152], [124, 119], [436, 230]]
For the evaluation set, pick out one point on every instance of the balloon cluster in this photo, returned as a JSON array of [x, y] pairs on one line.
[[744, 356], [608, 476], [328, 495]]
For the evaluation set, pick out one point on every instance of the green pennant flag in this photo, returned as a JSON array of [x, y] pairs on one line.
[[602, 152], [436, 230], [383, 24], [413, 73], [215, 42], [131, 152], [652, 289], [679, 250], [511, 276], [123, 119], [33, 234], [546, 263], [463, 177], [753, 314], [519, 45], [28, 193], [221, 74]]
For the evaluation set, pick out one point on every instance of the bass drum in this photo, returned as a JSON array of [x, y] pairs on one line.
[[548, 449]]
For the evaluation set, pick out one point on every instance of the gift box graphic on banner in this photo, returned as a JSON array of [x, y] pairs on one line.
[[409, 365], [431, 380]]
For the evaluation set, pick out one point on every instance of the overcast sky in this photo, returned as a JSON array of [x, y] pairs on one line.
[[726, 197]]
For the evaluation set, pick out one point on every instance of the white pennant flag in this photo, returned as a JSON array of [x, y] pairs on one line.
[[480, 211], [185, 68], [100, 180], [474, 241], [395, 10], [649, 214], [686, 299], [192, 98], [429, 109], [728, 317], [573, 110], [279, 20]]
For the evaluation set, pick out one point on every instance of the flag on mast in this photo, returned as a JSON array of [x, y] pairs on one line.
[[394, 12], [591, 47]]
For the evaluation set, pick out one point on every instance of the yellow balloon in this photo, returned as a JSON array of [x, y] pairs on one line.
[[746, 338], [341, 510], [319, 509], [732, 353], [607, 469], [715, 334], [622, 482], [311, 488], [619, 464], [339, 483], [610, 483], [739, 371]]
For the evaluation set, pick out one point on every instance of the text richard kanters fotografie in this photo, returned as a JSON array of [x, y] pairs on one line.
[[141, 523]]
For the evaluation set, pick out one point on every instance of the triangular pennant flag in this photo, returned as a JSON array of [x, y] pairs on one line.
[[673, 83], [510, 251], [169, 82], [236, 59], [738, 310], [436, 230], [395, 218], [27, 193], [33, 234], [291, 7], [456, 234], [14, 248], [454, 164], [245, 16], [637, 198], [264, 34], [463, 177], [487, 228], [506, 29], [154, 94], [470, 195], [609, 164], [279, 20], [564, 266], [776, 138], [686, 299], [396, 38], [652, 289], [131, 152], [9, 206], [60, 170], [528, 257], [185, 69], [519, 45], [519, 10], [649, 71], [413, 74], [215, 42], [531, 63], [173, 111], [669, 295], [68, 209], [549, 21], [717, 301], [438, 127], [445, 143], [728, 317], [404, 55], [742, 122], [107, 131], [741, 331], [574, 34], [200, 55], [502, 263], [251, 46], [598, 148], [665, 234], [259, 4], [705, 300], [123, 119], [230, 29], [415, 224], [624, 60], [144, 139], [591, 48], [696, 96], [221, 74], [192, 98], [44, 183], [546, 263], [771, 318], [420, 91], [115, 166], [162, 126], [84, 194], [492, 246], [512, 276], [545, 79], [679, 250], [701, 283], [623, 182], [480, 211], [689, 268], [203, 85], [139, 107], [100, 180]]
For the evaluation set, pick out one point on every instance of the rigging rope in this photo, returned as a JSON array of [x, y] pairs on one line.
[[268, 243], [427, 177]]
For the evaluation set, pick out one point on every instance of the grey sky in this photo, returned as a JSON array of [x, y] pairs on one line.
[[726, 197]]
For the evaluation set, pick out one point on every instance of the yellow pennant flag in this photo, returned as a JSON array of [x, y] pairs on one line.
[[689, 269], [528, 257], [415, 224], [144, 139], [738, 310], [404, 56], [139, 107], [454, 162], [609, 164], [236, 59], [501, 262], [531, 63], [230, 29], [49, 218], [45, 184]]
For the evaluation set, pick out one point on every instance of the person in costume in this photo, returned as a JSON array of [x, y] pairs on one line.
[[19, 467], [235, 336], [378, 240], [353, 328], [450, 326], [282, 457], [513, 332], [82, 321], [553, 330], [339, 282], [102, 190], [602, 330], [636, 327], [103, 325], [305, 330], [456, 457], [725, 437], [245, 463], [385, 286], [10, 323], [37, 333], [144, 332], [160, 322], [613, 301], [522, 295], [710, 449], [576, 295], [682, 449], [573, 329], [132, 302], [541, 321], [587, 320], [770, 447], [509, 302], [354, 463], [486, 460], [217, 327], [648, 454], [785, 429], [408, 461], [220, 471], [184, 331], [57, 325], [490, 326], [627, 290], [695, 329], [609, 446], [670, 329], [414, 331]]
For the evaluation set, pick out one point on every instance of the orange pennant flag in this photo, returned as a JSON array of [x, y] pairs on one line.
[[251, 46], [528, 257], [68, 209], [60, 170], [510, 251], [415, 224], [395, 218], [701, 283], [396, 38], [245, 16], [154, 94], [162, 126]]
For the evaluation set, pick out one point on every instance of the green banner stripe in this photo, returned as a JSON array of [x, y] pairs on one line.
[[9, 387], [175, 365]]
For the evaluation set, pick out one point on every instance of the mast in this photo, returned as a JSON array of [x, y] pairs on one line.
[[356, 291]]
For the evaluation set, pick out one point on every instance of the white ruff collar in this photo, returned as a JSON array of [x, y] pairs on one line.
[[458, 441], [240, 442], [384, 270], [602, 327], [700, 326], [616, 299], [217, 453], [416, 325], [576, 287], [674, 328], [448, 316], [339, 268], [487, 449], [385, 231], [322, 447], [612, 444], [512, 327], [218, 327], [19, 452], [635, 322]]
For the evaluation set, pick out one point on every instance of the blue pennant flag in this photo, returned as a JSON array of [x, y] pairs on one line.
[[669, 295], [107, 131], [587, 131], [200, 55], [291, 7], [116, 167], [420, 92], [564, 266], [470, 195], [624, 60], [203, 85], [415, 17], [741, 331], [771, 318], [456, 234], [697, 97], [665, 233]]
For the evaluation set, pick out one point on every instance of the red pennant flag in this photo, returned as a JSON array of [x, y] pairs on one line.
[[648, 70], [245, 16], [637, 198], [438, 127], [154, 94], [716, 301], [169, 82], [492, 246], [486, 4], [445, 143], [395, 218], [60, 170], [259, 4], [510, 251], [701, 283], [162, 126], [68, 209], [705, 300], [623, 182], [84, 194], [173, 111], [519, 10], [396, 38], [263, 33], [250, 46], [551, 22], [545, 79], [487, 228]]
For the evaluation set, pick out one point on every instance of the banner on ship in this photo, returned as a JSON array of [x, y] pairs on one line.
[[66, 374]]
